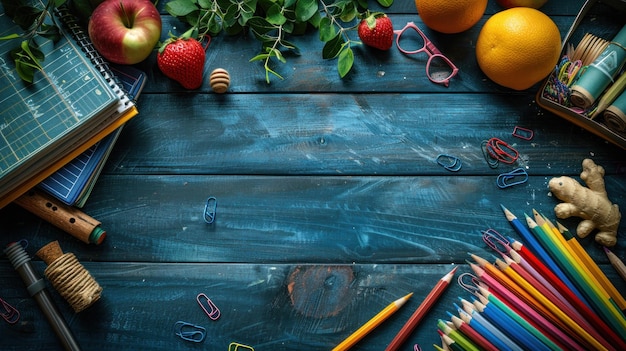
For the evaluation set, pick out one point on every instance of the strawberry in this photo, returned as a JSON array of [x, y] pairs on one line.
[[182, 59], [376, 30]]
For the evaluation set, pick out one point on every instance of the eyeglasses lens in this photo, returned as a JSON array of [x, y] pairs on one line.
[[439, 69]]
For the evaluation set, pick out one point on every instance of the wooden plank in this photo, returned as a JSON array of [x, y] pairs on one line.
[[314, 219], [348, 134], [268, 306]]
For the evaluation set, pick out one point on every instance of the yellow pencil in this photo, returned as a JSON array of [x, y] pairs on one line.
[[593, 267], [372, 323]]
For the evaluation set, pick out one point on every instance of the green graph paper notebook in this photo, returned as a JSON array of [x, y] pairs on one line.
[[71, 104]]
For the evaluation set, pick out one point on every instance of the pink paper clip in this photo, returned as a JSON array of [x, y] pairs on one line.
[[10, 314], [523, 133], [208, 306]]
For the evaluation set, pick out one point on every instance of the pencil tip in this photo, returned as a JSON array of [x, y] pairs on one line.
[[606, 249]]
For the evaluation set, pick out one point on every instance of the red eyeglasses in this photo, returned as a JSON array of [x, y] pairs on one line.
[[439, 69]]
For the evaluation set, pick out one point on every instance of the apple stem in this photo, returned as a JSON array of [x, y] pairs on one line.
[[128, 20]]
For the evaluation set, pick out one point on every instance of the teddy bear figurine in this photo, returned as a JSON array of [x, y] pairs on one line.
[[590, 203]]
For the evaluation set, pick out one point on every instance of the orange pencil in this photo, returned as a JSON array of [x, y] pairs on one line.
[[421, 311], [372, 323]]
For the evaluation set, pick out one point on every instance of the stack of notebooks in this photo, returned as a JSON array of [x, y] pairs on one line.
[[74, 102]]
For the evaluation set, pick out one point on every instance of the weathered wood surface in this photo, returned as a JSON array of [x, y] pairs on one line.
[[330, 203]]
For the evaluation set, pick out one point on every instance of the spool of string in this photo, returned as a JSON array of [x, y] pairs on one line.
[[615, 115], [69, 277]]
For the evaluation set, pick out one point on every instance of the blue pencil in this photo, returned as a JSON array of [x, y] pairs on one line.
[[510, 327], [534, 245], [467, 318], [505, 341]]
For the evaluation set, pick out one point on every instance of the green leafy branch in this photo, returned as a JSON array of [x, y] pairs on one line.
[[273, 22], [32, 19]]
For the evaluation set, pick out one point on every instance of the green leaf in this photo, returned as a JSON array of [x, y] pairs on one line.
[[260, 25], [327, 30], [345, 61], [10, 36], [385, 3], [275, 16], [50, 32], [305, 9], [26, 16], [180, 8], [332, 48]]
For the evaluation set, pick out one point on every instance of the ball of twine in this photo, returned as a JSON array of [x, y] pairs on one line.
[[69, 277]]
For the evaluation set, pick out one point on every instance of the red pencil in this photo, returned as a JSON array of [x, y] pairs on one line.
[[472, 334], [421, 311]]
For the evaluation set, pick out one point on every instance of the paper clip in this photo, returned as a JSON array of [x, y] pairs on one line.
[[515, 177], [451, 163], [235, 346], [10, 314], [523, 133], [209, 210], [213, 312], [416, 347], [501, 151], [491, 161], [189, 332]]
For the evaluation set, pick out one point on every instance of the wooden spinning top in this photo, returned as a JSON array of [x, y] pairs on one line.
[[219, 80], [69, 277]]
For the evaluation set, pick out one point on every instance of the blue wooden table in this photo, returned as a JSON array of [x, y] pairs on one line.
[[330, 202]]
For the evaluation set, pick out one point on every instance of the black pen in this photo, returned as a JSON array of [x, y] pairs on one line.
[[36, 287]]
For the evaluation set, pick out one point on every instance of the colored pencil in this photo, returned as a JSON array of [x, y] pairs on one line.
[[593, 339], [601, 302], [540, 251], [472, 334], [421, 311], [546, 324], [372, 323], [449, 343], [523, 266], [619, 266], [591, 265], [575, 300], [486, 297], [510, 327], [505, 342], [455, 335], [482, 330]]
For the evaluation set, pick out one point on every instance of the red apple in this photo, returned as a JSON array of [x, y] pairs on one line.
[[125, 31], [507, 4]]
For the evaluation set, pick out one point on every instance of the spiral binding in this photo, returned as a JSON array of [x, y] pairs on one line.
[[77, 32]]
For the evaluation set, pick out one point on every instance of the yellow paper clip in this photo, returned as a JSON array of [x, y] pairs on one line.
[[234, 346]]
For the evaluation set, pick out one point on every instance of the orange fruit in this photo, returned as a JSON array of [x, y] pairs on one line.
[[518, 47], [450, 16]]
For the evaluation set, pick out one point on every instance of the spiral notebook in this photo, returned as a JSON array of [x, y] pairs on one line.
[[73, 102], [72, 184]]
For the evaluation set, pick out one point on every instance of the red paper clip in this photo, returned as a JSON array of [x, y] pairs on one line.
[[208, 306], [523, 133], [501, 151]]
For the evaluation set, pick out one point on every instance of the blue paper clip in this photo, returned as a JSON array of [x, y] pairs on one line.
[[451, 163], [208, 306], [491, 161], [209, 210], [189, 332], [10, 314], [515, 177], [235, 346]]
